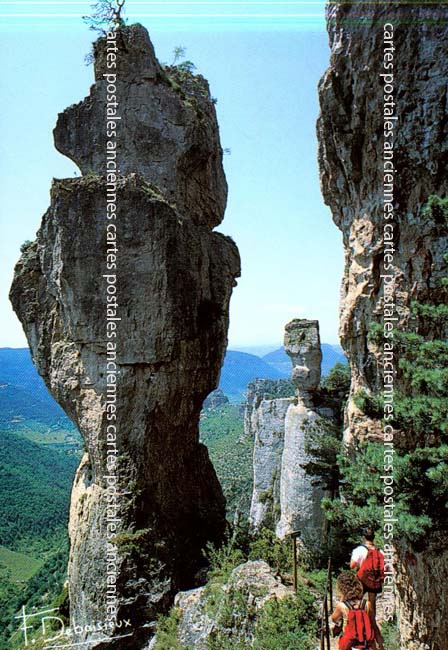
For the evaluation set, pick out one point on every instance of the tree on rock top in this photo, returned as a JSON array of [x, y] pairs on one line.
[[106, 15]]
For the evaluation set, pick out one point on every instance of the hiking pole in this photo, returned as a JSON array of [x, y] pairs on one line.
[[328, 592], [322, 636], [294, 536], [330, 579], [324, 618], [327, 626]]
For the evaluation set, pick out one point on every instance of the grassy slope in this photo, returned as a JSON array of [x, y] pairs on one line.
[[19, 566]]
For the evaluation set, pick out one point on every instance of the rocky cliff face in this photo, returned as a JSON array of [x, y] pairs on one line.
[[226, 614], [305, 417], [264, 421], [172, 136], [351, 143], [283, 418], [173, 281], [216, 399]]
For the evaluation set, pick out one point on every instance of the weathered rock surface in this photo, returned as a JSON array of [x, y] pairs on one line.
[[173, 281], [302, 345], [216, 399], [228, 610], [283, 418], [172, 136], [306, 417], [264, 422], [350, 131]]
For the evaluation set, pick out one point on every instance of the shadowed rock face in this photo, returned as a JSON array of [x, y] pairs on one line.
[[350, 132], [174, 280]]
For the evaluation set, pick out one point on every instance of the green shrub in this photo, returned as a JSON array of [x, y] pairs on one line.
[[436, 209], [277, 553], [289, 624], [131, 541], [26, 244], [167, 627], [265, 496], [338, 379], [223, 560], [361, 489], [317, 578], [391, 636]]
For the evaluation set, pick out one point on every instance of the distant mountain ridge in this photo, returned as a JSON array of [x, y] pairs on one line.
[[239, 369], [23, 393], [331, 355]]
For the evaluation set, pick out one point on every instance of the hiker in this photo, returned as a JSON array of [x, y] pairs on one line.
[[353, 616], [368, 561]]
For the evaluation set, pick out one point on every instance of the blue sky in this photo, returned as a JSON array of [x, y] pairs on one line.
[[263, 67]]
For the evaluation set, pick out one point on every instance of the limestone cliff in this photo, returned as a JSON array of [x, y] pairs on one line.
[[284, 419], [306, 416], [173, 281], [264, 421], [216, 399], [351, 149]]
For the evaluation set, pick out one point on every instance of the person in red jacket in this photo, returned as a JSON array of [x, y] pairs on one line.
[[368, 561], [353, 615]]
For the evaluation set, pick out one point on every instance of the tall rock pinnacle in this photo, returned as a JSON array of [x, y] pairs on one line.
[[306, 416], [172, 281]]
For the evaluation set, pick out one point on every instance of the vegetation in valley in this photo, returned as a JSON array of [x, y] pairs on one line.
[[35, 483], [222, 430]]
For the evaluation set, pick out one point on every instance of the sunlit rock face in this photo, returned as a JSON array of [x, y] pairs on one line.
[[350, 133], [266, 405], [174, 279], [307, 416], [285, 419]]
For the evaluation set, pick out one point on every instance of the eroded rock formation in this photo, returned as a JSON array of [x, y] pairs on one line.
[[306, 417], [350, 131], [264, 421], [171, 132], [285, 418], [216, 399], [174, 278]]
